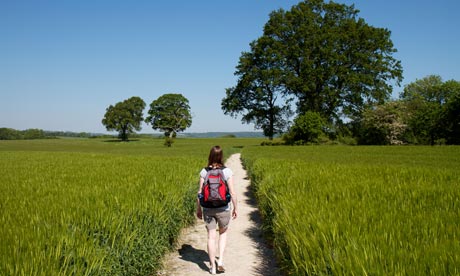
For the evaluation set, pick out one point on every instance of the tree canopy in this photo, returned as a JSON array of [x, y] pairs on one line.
[[322, 56], [124, 117], [428, 112], [333, 61], [432, 106], [170, 113]]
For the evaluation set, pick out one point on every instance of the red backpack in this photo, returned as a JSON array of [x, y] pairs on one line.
[[215, 192]]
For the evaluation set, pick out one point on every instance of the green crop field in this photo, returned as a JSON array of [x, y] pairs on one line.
[[95, 207], [360, 210]]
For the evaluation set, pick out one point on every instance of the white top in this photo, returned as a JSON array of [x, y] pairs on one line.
[[227, 173]]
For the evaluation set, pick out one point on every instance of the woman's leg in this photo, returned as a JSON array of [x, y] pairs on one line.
[[222, 243], [223, 219], [212, 247]]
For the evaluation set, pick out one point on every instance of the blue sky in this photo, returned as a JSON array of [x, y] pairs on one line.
[[62, 63]]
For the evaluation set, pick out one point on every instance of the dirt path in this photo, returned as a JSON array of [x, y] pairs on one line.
[[246, 253]]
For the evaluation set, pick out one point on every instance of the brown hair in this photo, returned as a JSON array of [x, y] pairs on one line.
[[215, 157]]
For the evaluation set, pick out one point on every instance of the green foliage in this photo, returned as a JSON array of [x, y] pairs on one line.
[[272, 143], [360, 210], [319, 54], [347, 140], [125, 117], [258, 94], [28, 134], [307, 128], [170, 113], [68, 134], [383, 125], [229, 136], [431, 107], [427, 89], [332, 61], [427, 114], [9, 134], [451, 119], [34, 133]]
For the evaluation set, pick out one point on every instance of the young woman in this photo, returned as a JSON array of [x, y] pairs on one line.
[[220, 216]]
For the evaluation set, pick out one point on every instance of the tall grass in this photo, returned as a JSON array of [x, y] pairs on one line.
[[360, 210], [91, 215], [90, 207]]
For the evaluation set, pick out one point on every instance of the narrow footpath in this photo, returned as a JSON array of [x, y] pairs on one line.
[[246, 254]]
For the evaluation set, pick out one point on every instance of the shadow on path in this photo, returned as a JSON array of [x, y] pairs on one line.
[[197, 256]]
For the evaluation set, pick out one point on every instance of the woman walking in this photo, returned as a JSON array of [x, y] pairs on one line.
[[213, 205]]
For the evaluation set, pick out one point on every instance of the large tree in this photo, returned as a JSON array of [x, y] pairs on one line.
[[259, 95], [333, 62], [124, 117], [170, 113]]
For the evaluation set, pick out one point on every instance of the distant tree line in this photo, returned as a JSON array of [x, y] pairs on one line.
[[237, 134], [319, 73], [13, 134], [34, 133], [69, 134]]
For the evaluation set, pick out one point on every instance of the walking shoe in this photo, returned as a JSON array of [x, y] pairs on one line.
[[212, 270], [220, 268]]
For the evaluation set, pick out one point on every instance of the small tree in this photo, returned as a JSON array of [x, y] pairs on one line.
[[307, 128], [384, 124], [170, 113], [124, 117]]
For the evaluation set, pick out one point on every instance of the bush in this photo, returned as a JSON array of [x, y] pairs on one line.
[[307, 128], [347, 140], [272, 143], [229, 136]]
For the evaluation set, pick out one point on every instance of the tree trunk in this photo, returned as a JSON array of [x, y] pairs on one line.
[[124, 135]]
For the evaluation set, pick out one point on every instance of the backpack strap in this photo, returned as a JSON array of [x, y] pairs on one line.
[[208, 169]]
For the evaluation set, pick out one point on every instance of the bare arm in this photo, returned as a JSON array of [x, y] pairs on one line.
[[233, 196], [199, 212]]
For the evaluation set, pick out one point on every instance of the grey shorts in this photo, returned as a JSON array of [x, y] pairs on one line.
[[214, 217]]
